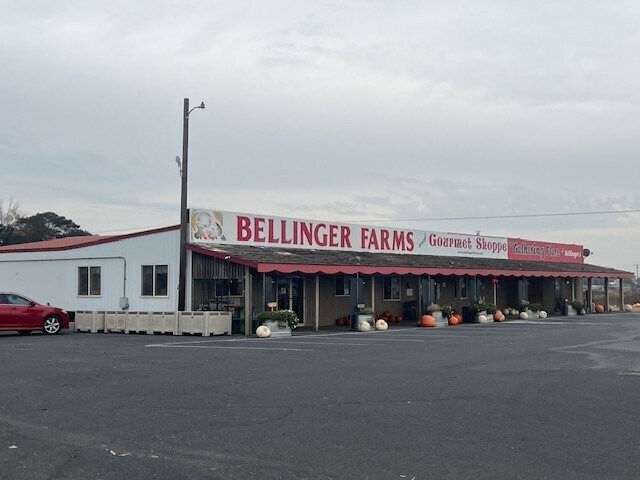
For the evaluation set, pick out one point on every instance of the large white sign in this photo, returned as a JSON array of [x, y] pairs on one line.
[[212, 226]]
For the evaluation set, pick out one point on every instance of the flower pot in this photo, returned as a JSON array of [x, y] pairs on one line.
[[276, 329]]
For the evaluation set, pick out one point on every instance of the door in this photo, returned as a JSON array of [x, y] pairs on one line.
[[6, 321], [290, 295]]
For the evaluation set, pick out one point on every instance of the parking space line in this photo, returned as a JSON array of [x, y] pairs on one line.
[[223, 347]]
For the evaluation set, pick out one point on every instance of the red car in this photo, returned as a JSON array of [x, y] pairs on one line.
[[24, 315]]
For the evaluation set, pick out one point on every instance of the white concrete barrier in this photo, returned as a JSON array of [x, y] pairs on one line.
[[164, 322], [86, 321], [115, 322], [192, 322], [139, 322], [219, 323], [203, 323]]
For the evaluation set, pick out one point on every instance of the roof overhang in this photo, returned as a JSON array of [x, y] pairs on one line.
[[262, 261]]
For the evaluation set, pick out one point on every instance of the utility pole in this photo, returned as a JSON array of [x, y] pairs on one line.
[[184, 211]]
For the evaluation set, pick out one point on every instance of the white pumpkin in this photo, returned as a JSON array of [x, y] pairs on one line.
[[524, 315], [628, 308], [365, 327], [482, 319], [381, 325], [263, 332], [506, 311], [542, 314]]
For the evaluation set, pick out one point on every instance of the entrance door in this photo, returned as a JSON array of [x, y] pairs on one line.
[[290, 295]]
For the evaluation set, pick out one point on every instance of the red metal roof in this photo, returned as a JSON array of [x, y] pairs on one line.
[[69, 243]]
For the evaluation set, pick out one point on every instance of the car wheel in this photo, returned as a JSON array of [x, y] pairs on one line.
[[52, 325], [24, 332]]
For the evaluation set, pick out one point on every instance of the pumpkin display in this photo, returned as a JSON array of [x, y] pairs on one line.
[[427, 321], [365, 327], [599, 308], [458, 315], [542, 314], [263, 332], [381, 325], [452, 320]]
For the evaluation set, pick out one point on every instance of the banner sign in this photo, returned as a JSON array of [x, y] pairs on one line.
[[520, 249], [213, 226]]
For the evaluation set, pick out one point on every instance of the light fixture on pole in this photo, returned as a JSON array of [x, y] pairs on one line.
[[184, 212]]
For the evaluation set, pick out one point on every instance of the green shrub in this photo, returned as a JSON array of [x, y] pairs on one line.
[[283, 317]]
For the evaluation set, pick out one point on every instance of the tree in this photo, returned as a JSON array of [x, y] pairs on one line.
[[8, 219], [43, 226]]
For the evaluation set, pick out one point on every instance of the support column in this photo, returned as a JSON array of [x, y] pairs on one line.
[[373, 292], [589, 304], [248, 301], [316, 322], [621, 296], [606, 294]]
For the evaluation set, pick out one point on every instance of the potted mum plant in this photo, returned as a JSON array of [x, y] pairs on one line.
[[435, 311], [280, 322], [477, 310], [365, 314], [578, 307]]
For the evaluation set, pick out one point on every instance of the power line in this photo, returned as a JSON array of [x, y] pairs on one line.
[[487, 217]]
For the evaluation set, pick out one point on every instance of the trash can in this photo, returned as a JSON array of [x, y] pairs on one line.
[[354, 322]]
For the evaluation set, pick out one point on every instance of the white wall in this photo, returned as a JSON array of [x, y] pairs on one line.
[[53, 276]]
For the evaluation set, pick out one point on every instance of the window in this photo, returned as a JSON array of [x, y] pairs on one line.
[[460, 288], [155, 280], [227, 287], [89, 281], [341, 286], [11, 299], [391, 288]]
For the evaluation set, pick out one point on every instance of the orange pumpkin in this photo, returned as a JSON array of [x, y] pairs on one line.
[[398, 319], [458, 316], [599, 308], [427, 321], [453, 320]]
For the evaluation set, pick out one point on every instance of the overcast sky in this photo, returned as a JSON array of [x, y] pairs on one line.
[[338, 110]]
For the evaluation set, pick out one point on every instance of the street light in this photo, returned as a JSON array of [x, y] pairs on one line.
[[184, 212]]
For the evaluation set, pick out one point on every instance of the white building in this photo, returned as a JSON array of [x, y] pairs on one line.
[[137, 271]]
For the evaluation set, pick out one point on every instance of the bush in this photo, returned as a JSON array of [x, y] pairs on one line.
[[577, 305], [283, 317], [447, 311], [534, 307]]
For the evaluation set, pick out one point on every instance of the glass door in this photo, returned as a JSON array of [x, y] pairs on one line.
[[290, 294]]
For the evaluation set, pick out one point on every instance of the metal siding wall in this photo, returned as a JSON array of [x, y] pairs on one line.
[[204, 267], [331, 307], [309, 300], [257, 302]]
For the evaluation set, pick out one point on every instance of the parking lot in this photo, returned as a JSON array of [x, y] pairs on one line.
[[553, 399]]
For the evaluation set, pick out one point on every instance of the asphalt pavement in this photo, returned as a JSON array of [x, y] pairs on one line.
[[548, 399]]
